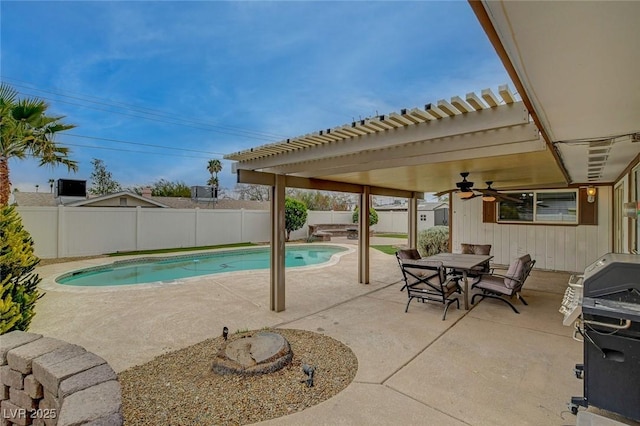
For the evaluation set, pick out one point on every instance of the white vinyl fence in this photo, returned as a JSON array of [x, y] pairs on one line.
[[83, 231], [80, 231]]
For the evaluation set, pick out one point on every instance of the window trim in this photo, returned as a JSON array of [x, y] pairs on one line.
[[535, 208]]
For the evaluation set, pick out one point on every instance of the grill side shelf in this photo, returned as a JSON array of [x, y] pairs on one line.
[[611, 309]]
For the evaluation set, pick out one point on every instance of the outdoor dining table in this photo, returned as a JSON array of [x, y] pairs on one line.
[[461, 262]]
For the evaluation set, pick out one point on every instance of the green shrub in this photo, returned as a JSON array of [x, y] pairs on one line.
[[433, 241], [18, 283], [295, 215], [373, 216]]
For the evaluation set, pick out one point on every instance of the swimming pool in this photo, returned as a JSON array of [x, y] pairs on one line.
[[170, 269]]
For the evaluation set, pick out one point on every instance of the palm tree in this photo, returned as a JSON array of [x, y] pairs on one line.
[[214, 167], [25, 129], [51, 182]]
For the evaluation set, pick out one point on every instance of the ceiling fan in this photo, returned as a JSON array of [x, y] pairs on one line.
[[466, 191]]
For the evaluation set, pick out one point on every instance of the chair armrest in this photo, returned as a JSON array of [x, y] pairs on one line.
[[499, 276]]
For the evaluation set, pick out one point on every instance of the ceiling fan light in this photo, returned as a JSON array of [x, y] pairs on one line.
[[465, 194], [488, 198]]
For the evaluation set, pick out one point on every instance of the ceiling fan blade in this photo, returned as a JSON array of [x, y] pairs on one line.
[[441, 193], [473, 196]]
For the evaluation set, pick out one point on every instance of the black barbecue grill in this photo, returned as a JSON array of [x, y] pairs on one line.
[[610, 327]]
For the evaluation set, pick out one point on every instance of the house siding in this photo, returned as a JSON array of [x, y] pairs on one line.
[[554, 247]]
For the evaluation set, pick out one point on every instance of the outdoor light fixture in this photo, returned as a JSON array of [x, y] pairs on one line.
[[309, 371], [465, 194], [225, 332], [591, 194]]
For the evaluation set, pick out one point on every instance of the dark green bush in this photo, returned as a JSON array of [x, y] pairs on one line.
[[433, 241], [295, 215], [373, 216], [18, 283]]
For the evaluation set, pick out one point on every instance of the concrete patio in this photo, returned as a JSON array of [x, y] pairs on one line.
[[485, 366]]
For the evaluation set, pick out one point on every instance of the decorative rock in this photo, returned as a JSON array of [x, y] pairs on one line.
[[51, 375], [20, 358], [13, 340], [97, 404], [264, 352], [85, 379]]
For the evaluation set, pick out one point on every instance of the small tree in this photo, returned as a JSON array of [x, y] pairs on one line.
[[373, 216], [320, 200], [295, 215], [102, 181], [252, 192], [18, 283], [165, 188], [433, 241]]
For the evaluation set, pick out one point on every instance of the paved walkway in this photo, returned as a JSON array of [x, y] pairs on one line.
[[485, 366]]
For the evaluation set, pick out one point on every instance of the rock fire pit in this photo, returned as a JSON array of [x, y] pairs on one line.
[[259, 353]]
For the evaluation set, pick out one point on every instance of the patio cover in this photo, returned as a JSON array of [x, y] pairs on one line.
[[403, 154]]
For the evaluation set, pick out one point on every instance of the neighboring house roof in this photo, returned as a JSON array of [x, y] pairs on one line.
[[44, 199], [33, 199], [113, 200], [229, 204]]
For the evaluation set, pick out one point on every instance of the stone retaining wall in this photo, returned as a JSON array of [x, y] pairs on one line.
[[46, 381]]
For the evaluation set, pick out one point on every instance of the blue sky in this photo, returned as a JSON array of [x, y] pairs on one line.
[[210, 78]]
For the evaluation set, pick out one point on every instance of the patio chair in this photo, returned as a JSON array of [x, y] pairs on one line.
[[427, 281], [404, 254], [496, 286]]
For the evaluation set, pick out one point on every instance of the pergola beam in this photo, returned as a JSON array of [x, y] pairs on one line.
[[510, 140], [262, 178], [502, 116]]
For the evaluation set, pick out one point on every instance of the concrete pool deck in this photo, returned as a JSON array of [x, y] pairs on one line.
[[482, 366]]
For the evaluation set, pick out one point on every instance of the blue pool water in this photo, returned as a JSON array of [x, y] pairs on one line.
[[177, 267]]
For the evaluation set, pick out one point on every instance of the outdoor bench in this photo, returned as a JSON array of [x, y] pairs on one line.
[[324, 231]]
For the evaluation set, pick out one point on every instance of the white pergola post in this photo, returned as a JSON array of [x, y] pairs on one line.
[[363, 233], [412, 211], [277, 292]]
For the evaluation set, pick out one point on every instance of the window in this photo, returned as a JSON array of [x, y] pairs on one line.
[[540, 207]]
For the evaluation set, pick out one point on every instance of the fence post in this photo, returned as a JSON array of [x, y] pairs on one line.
[[242, 225], [138, 223], [61, 232], [195, 226]]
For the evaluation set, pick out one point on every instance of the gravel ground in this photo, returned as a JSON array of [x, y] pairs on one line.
[[179, 388]]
